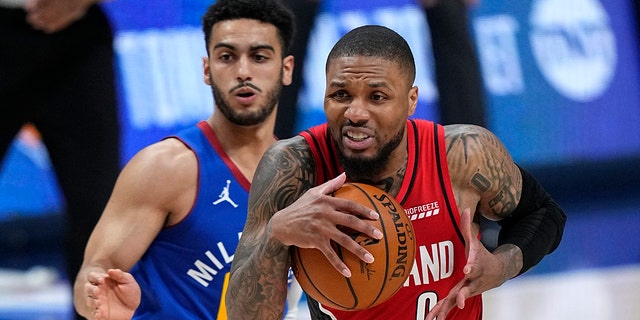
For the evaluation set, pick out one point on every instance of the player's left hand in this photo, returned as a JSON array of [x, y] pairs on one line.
[[482, 272], [54, 15]]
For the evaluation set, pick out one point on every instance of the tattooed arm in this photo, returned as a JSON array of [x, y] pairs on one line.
[[285, 209], [485, 180]]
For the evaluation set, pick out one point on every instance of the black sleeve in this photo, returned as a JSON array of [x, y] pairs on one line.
[[536, 225]]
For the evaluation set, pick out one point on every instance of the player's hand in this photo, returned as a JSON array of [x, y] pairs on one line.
[[112, 296], [54, 15], [312, 222], [482, 272]]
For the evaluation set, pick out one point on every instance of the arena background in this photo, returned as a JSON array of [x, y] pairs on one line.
[[562, 80]]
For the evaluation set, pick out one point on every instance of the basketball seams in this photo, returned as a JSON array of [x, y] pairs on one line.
[[386, 241], [312, 282], [338, 250]]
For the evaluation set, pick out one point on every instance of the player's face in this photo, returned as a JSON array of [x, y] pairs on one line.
[[367, 102], [245, 70]]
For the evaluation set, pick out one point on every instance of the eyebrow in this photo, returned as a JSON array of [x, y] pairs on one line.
[[378, 84], [375, 84], [252, 48], [339, 84]]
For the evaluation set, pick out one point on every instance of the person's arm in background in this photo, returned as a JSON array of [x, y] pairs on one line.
[[54, 15], [158, 184]]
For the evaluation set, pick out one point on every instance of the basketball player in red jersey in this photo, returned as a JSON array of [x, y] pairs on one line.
[[443, 176]]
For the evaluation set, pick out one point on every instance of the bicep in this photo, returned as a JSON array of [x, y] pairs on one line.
[[136, 212], [483, 173]]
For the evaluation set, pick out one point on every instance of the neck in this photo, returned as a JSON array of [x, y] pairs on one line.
[[244, 145]]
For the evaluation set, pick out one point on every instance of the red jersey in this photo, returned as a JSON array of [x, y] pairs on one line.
[[427, 198]]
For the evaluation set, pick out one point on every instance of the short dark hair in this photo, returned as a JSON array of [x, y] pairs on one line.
[[376, 41], [267, 11]]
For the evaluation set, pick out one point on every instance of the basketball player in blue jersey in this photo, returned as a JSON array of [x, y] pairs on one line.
[[179, 206], [442, 175]]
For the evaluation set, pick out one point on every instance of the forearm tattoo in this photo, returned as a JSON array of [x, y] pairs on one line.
[[512, 268], [260, 265]]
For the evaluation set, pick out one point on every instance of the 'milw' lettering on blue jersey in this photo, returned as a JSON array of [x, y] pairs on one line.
[[205, 272]]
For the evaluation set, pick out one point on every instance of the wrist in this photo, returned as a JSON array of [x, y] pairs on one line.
[[510, 257]]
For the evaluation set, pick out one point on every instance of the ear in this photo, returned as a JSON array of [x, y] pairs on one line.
[[206, 71], [287, 70], [413, 100]]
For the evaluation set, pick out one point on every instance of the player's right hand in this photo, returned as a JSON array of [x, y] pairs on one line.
[[312, 222]]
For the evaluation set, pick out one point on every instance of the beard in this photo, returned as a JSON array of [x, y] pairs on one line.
[[359, 168], [247, 118]]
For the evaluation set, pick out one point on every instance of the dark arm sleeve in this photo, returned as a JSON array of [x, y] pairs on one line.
[[536, 225]]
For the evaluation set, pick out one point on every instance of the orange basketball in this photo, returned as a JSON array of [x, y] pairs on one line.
[[370, 283]]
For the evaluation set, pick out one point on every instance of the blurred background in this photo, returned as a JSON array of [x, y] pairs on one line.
[[561, 88]]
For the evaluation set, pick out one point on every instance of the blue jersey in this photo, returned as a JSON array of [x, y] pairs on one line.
[[184, 273]]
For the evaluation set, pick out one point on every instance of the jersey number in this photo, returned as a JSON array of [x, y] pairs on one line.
[[426, 302]]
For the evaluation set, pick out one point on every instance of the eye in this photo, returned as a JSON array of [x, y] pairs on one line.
[[260, 58], [225, 56], [377, 97], [339, 95]]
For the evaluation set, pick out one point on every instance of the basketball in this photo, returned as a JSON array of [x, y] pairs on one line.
[[370, 283]]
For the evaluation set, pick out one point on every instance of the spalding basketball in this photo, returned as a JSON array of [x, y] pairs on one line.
[[370, 283]]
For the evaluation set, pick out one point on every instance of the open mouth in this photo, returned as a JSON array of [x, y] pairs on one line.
[[245, 94], [356, 136]]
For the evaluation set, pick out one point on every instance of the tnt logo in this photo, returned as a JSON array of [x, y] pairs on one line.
[[574, 46]]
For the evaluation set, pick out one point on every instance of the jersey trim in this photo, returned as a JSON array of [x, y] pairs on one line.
[[412, 165], [443, 179], [215, 143]]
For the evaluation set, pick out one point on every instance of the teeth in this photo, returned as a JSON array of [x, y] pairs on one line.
[[356, 136]]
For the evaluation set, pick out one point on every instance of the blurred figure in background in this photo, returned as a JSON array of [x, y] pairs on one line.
[[457, 70], [305, 12], [57, 72]]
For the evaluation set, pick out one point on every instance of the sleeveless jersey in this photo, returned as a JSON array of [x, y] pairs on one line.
[[427, 197], [184, 273]]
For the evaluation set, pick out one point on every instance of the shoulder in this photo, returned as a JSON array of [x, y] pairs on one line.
[[160, 179], [456, 131], [285, 155], [296, 146], [470, 141], [165, 165], [287, 165], [169, 154]]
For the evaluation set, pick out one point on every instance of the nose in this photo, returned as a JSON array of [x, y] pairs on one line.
[[356, 112], [244, 69]]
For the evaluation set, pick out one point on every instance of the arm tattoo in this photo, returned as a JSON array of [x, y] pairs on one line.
[[259, 272], [479, 161], [511, 269], [480, 182]]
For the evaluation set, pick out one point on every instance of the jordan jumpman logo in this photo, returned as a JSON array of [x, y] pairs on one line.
[[224, 196]]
